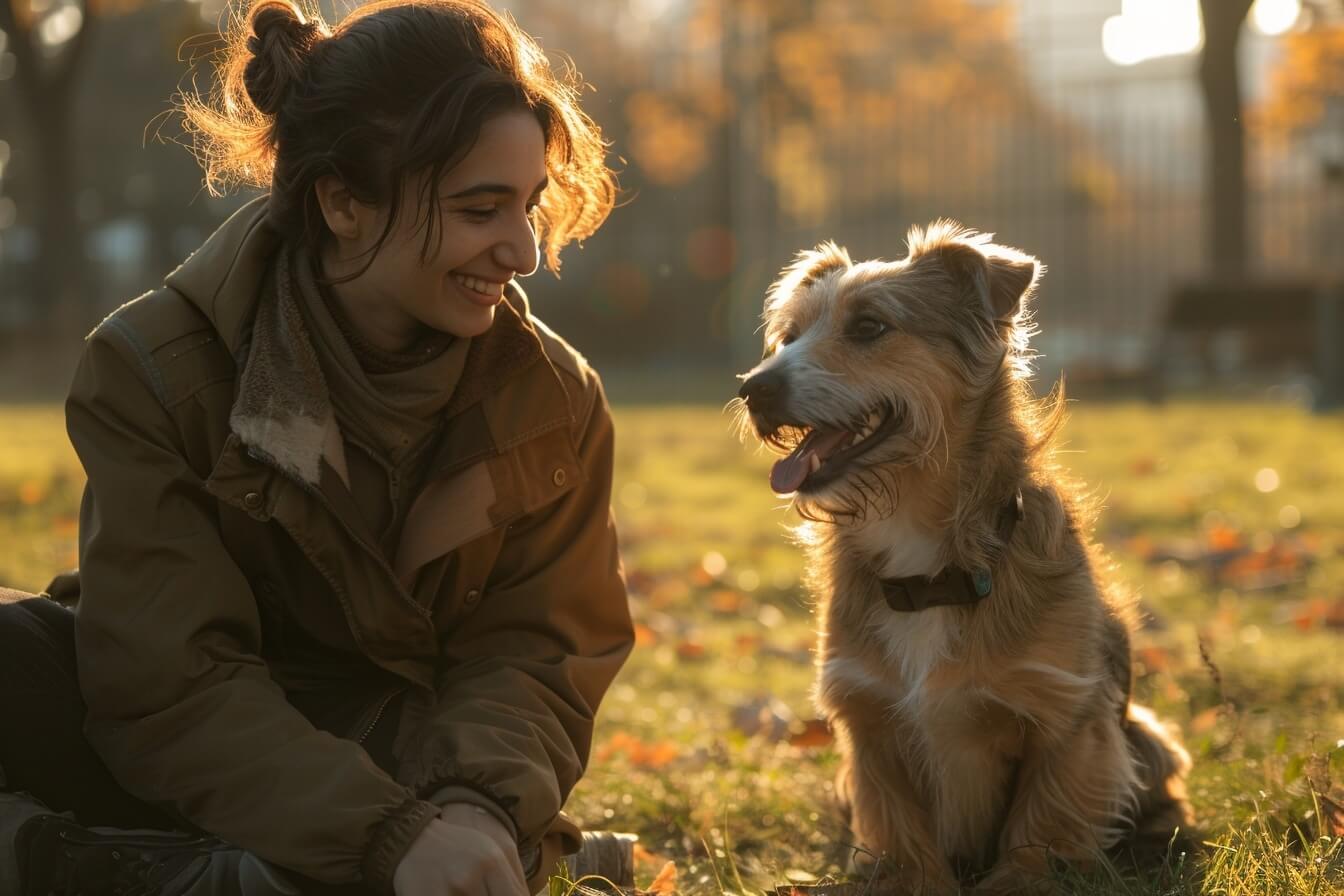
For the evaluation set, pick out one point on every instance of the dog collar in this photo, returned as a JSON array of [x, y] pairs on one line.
[[952, 585]]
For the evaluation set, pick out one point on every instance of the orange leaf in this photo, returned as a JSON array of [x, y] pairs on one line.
[[32, 492], [1205, 720], [665, 884], [815, 733], [1224, 538], [728, 603], [655, 755], [1154, 659], [691, 650], [645, 636], [1310, 614], [748, 644]]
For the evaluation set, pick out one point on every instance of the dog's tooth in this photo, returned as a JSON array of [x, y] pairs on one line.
[[815, 464]]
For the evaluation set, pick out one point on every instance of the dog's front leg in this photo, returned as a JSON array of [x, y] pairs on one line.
[[886, 813], [1071, 802]]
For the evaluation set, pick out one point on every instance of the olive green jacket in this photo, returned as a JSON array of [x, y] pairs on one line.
[[220, 585]]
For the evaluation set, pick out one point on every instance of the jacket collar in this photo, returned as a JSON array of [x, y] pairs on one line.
[[227, 275], [223, 278]]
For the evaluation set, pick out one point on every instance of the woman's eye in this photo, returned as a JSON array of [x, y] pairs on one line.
[[867, 329], [480, 214]]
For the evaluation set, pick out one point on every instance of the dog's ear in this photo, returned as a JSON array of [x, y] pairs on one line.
[[807, 267], [999, 277]]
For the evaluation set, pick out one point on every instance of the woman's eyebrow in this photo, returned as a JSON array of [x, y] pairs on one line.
[[495, 189]]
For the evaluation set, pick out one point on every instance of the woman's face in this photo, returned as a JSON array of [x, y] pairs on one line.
[[486, 239]]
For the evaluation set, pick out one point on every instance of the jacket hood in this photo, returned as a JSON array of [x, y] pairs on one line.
[[223, 277]]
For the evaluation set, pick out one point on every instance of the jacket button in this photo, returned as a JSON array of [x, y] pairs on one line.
[[559, 477], [472, 596], [252, 500]]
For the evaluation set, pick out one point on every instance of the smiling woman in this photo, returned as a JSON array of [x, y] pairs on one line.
[[349, 592]]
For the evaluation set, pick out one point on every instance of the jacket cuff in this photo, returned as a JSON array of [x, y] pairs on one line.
[[392, 837], [461, 793]]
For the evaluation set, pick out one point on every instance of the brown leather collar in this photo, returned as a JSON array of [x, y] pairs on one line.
[[952, 585]]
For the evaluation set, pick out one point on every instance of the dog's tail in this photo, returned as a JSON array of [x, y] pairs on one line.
[[1163, 809]]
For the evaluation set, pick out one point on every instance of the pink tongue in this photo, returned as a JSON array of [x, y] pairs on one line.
[[790, 472]]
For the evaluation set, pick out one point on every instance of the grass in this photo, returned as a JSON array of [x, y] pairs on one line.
[[704, 747]]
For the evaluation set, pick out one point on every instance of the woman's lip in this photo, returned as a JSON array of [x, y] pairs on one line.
[[478, 298]]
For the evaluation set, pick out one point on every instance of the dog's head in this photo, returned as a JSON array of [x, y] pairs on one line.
[[867, 365]]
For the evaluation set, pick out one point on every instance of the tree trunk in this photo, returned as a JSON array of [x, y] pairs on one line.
[[47, 89], [1225, 208]]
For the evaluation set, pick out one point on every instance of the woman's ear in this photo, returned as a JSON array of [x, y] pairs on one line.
[[345, 215]]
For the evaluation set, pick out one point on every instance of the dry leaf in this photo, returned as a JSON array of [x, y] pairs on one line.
[[726, 602], [665, 884], [691, 650], [1154, 659], [1205, 720], [814, 733]]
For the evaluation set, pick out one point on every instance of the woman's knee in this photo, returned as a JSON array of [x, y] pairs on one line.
[[37, 640]]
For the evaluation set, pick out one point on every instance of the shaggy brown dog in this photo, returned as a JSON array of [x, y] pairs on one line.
[[974, 661]]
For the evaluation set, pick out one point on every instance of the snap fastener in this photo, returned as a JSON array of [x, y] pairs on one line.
[[559, 477], [472, 596], [252, 500]]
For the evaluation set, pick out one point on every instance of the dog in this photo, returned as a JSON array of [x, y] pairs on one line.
[[974, 655]]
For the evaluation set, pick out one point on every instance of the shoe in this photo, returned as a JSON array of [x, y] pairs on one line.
[[606, 856], [56, 855]]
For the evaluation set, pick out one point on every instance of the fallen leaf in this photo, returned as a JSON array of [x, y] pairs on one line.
[[726, 602], [1154, 658], [747, 644], [1205, 720], [665, 884], [645, 636], [691, 650], [814, 733]]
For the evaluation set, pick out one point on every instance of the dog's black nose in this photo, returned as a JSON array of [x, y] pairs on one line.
[[762, 388]]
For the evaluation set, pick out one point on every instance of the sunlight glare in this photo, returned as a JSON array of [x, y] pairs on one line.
[[1147, 29], [1274, 17]]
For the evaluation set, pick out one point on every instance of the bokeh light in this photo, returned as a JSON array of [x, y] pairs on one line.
[[1274, 17], [1148, 29]]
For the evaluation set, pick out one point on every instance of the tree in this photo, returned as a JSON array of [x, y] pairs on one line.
[[1309, 77], [50, 51], [1221, 88]]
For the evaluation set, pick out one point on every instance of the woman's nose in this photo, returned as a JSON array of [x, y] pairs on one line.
[[517, 247]]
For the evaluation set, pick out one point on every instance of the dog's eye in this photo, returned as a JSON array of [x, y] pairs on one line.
[[787, 337], [866, 329]]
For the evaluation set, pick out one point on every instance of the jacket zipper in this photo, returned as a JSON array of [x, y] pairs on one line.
[[377, 717]]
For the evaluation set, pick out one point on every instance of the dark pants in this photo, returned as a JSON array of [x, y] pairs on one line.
[[42, 747]]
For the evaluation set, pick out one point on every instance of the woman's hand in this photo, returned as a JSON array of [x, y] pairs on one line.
[[466, 851]]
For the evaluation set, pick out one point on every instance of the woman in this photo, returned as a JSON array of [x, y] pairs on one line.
[[350, 591]]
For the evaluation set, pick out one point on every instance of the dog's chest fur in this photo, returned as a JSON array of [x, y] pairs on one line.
[[958, 736]]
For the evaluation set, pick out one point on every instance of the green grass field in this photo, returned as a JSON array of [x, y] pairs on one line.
[[1229, 518]]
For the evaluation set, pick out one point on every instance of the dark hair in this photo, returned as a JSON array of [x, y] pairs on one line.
[[399, 89]]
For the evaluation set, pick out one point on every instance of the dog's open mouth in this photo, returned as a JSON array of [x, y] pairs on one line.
[[824, 452]]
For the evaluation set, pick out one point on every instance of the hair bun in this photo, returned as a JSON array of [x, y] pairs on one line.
[[280, 42]]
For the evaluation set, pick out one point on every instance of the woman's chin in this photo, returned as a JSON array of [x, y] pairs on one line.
[[463, 322]]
